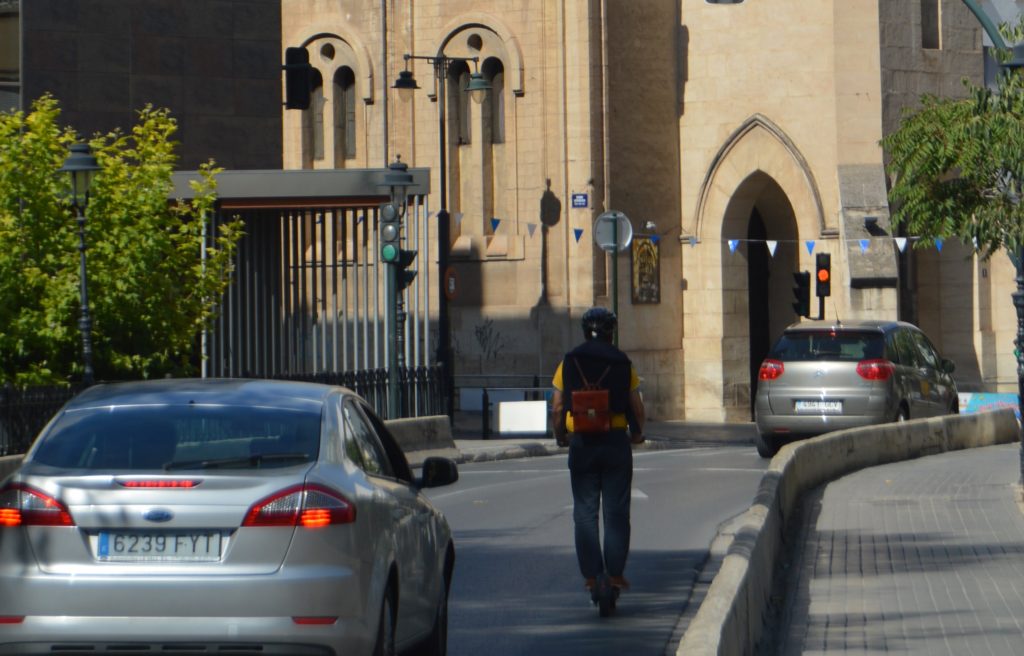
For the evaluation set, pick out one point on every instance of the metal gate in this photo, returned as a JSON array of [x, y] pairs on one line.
[[307, 295]]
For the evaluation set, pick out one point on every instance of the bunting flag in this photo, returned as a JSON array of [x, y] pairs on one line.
[[531, 228], [495, 222], [431, 214], [579, 233], [693, 241], [733, 243], [360, 219], [655, 239], [901, 243], [810, 246], [864, 243], [772, 245], [938, 244], [458, 219]]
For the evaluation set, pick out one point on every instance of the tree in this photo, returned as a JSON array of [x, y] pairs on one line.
[[958, 165], [151, 288]]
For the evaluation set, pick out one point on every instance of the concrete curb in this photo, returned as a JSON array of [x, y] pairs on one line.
[[731, 617]]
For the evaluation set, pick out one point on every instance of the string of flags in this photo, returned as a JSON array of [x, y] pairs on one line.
[[772, 244], [865, 244]]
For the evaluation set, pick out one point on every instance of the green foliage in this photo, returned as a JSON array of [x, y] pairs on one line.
[[958, 165], [150, 290]]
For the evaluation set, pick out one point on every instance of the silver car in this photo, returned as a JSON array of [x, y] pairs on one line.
[[221, 516], [821, 377]]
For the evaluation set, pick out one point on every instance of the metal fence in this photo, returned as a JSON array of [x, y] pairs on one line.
[[24, 412]]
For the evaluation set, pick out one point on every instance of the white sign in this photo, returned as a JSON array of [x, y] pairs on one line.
[[523, 417], [611, 227]]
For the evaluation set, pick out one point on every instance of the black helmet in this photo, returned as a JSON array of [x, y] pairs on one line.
[[599, 323]]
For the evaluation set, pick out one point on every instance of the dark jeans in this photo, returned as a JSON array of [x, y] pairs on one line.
[[601, 471]]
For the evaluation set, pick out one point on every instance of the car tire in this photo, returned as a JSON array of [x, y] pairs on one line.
[[767, 446], [386, 626], [437, 643], [901, 415]]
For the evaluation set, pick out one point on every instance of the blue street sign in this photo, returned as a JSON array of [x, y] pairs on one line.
[[580, 200]]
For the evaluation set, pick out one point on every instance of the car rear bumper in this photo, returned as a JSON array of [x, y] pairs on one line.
[[807, 425], [225, 636]]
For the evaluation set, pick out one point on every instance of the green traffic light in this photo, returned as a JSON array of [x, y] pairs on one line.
[[389, 253]]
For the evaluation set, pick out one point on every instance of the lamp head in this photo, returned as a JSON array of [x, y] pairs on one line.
[[406, 85], [81, 167], [478, 87]]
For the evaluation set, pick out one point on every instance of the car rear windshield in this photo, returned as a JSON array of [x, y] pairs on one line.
[[127, 438], [845, 346]]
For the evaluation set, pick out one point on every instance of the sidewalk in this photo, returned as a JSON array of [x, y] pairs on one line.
[[918, 557]]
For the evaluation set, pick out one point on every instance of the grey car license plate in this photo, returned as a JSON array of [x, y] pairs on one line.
[[820, 407], [141, 546]]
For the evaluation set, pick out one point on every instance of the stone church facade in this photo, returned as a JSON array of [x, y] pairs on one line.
[[740, 138]]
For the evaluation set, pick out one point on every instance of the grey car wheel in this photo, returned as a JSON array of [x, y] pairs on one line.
[[386, 627], [767, 446], [437, 643]]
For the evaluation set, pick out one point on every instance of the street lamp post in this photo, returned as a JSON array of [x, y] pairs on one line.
[[81, 167], [478, 87]]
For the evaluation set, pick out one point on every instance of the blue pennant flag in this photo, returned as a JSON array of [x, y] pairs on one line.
[[810, 246], [733, 243], [864, 243], [531, 228], [655, 239], [938, 244], [693, 241], [495, 222], [579, 233], [359, 219]]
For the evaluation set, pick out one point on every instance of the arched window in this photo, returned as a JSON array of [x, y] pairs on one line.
[[313, 124], [458, 102], [494, 73], [344, 114]]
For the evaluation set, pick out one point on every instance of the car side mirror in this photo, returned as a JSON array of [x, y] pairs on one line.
[[438, 472], [948, 366]]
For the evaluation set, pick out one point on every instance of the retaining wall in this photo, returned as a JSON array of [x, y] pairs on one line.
[[732, 615]]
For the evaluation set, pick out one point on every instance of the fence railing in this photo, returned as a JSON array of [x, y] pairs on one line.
[[24, 412]]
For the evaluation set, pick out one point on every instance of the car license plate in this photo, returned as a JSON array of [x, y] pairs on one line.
[[139, 546], [820, 407]]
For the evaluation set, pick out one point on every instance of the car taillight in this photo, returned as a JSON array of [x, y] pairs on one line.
[[159, 483], [875, 369], [770, 370], [21, 505], [311, 506]]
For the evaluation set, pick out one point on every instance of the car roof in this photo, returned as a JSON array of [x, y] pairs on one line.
[[855, 324], [210, 391]]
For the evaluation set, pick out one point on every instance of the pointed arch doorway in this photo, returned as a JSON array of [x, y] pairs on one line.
[[761, 216]]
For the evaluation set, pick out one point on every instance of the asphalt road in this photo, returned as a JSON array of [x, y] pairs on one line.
[[517, 589]]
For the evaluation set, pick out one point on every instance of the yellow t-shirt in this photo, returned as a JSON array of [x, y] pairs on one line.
[[617, 420]]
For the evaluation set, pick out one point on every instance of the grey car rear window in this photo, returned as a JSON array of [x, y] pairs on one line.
[[844, 346], [128, 438]]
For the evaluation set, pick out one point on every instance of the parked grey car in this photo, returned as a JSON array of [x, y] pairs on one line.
[[821, 377], [221, 516]]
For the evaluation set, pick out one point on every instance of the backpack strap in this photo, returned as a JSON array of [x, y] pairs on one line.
[[586, 383]]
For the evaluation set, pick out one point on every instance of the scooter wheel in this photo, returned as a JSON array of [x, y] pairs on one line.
[[606, 596]]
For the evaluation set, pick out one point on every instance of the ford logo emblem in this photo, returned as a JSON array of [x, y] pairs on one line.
[[158, 515]]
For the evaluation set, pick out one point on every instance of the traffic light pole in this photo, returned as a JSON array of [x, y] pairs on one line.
[[392, 309]]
